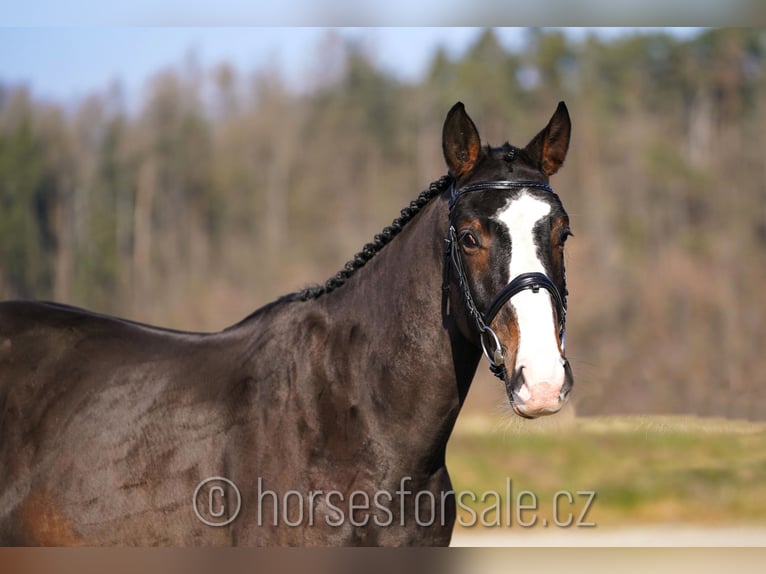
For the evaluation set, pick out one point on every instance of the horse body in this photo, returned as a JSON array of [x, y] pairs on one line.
[[108, 427]]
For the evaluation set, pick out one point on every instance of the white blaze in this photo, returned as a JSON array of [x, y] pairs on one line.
[[538, 350]]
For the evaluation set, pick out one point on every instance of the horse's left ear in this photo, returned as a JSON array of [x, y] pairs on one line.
[[550, 146]]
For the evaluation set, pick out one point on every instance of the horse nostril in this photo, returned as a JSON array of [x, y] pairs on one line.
[[524, 393], [519, 379], [520, 387]]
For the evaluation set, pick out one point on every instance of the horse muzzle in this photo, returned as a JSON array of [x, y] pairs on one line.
[[539, 392]]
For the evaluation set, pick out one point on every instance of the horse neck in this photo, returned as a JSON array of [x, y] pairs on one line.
[[403, 358]]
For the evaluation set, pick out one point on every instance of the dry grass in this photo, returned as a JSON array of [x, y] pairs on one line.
[[644, 469]]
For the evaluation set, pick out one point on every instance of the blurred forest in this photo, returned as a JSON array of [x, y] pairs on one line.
[[223, 189]]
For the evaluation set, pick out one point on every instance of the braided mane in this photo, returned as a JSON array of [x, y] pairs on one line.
[[379, 242]]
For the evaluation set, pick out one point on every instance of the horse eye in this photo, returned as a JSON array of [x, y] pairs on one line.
[[564, 235], [469, 240]]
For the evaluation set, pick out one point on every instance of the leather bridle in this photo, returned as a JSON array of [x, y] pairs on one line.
[[525, 281]]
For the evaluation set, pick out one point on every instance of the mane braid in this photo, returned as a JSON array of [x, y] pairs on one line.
[[379, 242]]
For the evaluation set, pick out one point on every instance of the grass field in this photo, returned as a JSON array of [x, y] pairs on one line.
[[644, 470]]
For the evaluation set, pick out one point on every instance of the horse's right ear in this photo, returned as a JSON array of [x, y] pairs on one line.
[[460, 141]]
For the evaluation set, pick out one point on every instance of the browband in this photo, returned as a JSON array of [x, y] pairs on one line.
[[455, 193]]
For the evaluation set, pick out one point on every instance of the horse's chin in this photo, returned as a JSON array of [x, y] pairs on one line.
[[519, 412], [525, 414]]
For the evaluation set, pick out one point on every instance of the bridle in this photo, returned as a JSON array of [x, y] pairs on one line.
[[525, 281]]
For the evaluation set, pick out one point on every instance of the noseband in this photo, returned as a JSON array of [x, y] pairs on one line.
[[525, 281]]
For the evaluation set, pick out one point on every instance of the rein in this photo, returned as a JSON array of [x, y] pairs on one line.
[[523, 282]]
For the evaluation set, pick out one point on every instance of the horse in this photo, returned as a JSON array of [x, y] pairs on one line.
[[326, 413]]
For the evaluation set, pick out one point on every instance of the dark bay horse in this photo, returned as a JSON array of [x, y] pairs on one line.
[[329, 409]]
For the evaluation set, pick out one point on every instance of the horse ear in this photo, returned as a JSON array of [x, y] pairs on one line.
[[460, 141], [550, 146]]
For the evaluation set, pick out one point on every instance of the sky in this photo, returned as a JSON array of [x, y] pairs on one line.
[[65, 64], [387, 13]]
